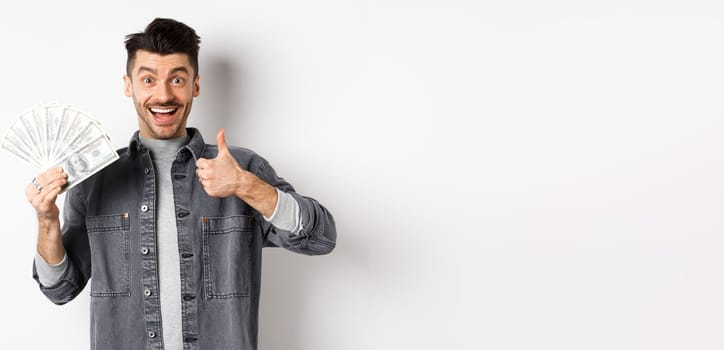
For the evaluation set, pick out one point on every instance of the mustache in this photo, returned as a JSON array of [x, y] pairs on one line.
[[174, 104]]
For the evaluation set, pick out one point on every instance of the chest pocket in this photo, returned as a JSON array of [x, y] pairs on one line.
[[108, 238], [227, 256]]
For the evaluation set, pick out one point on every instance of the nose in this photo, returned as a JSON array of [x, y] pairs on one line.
[[163, 93]]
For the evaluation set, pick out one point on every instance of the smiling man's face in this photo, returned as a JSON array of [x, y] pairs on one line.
[[163, 88]]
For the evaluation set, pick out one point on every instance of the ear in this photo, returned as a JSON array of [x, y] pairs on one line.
[[128, 87], [196, 86]]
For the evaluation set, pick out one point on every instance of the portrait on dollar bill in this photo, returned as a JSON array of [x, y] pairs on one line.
[[76, 166]]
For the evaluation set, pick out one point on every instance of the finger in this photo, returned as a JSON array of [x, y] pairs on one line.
[[203, 163], [49, 175], [30, 192], [50, 196], [204, 185], [51, 172], [57, 176], [55, 186], [221, 141], [208, 173], [57, 183], [44, 199], [37, 201], [58, 180]]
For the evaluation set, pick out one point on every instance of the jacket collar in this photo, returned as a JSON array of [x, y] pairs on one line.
[[196, 144]]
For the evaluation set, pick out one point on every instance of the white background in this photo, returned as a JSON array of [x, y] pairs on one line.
[[504, 174]]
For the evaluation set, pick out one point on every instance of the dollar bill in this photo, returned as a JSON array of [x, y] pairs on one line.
[[39, 117], [55, 117], [88, 160], [68, 125], [11, 145], [27, 131], [73, 124], [20, 139], [87, 132]]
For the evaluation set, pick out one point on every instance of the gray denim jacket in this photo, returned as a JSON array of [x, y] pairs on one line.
[[109, 233]]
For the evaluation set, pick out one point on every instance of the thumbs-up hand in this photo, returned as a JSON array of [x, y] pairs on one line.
[[223, 177]]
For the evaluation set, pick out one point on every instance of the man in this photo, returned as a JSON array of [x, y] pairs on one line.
[[171, 232]]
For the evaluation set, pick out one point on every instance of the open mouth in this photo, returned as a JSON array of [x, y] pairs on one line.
[[163, 114]]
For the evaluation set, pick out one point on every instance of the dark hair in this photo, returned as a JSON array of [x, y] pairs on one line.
[[164, 36]]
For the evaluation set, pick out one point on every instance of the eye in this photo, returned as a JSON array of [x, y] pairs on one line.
[[177, 81], [147, 80]]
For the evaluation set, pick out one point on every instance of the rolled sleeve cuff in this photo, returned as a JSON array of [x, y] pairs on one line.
[[49, 275], [286, 215]]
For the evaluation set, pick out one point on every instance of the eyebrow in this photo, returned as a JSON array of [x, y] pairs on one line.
[[179, 69], [146, 69], [153, 71]]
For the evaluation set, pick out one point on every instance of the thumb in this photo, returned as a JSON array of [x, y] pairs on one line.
[[221, 142]]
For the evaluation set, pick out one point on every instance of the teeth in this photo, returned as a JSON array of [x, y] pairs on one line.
[[161, 110]]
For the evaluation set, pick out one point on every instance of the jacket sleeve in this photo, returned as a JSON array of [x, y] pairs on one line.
[[317, 235], [75, 241]]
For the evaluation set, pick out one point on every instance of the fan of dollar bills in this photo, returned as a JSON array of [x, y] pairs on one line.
[[54, 135]]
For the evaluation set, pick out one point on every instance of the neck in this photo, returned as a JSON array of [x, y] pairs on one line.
[[164, 149]]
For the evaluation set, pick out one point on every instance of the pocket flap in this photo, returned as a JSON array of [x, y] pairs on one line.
[[107, 222], [221, 225]]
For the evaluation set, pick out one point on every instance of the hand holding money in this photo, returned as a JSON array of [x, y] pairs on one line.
[[43, 191], [60, 136]]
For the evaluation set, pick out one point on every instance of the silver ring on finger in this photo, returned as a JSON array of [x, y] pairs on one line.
[[37, 185]]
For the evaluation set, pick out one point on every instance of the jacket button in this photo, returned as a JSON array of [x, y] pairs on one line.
[[189, 339], [144, 208], [147, 170], [182, 214], [147, 292], [189, 297], [144, 251], [151, 334]]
